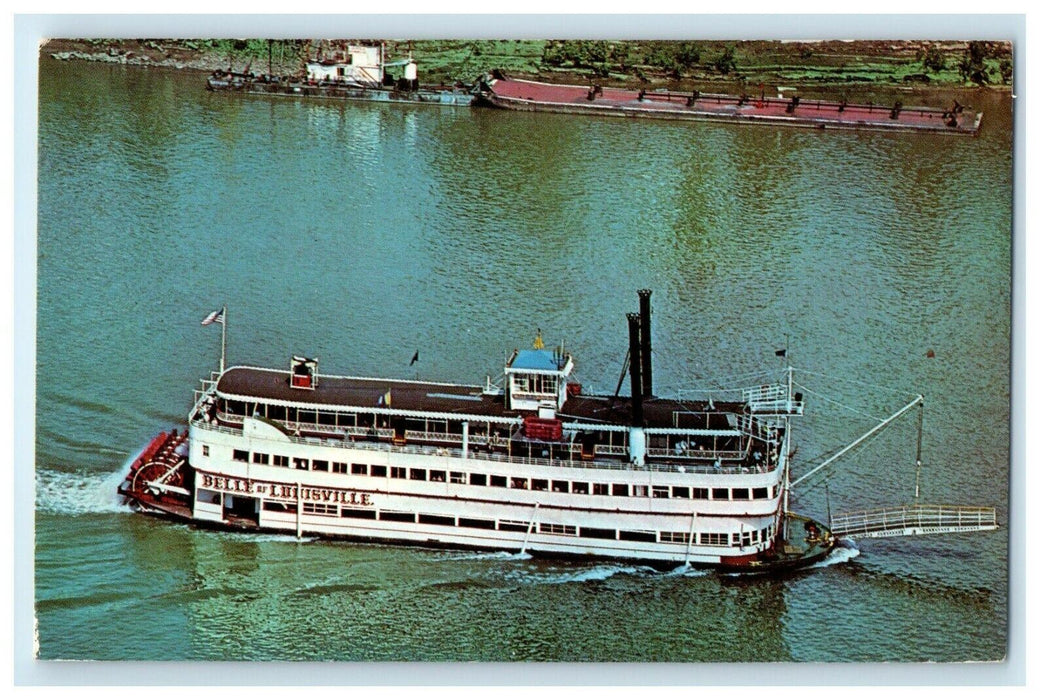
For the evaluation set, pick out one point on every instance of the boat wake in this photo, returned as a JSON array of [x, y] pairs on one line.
[[595, 573], [600, 572], [687, 571], [76, 493], [844, 552], [263, 537], [487, 556]]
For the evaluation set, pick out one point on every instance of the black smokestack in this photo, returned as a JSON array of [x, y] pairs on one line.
[[645, 343], [634, 368]]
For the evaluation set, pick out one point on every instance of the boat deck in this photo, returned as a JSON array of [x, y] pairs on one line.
[[255, 384], [524, 94]]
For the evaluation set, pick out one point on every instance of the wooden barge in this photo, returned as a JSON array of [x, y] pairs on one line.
[[532, 96]]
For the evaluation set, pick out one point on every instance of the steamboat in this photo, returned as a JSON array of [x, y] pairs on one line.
[[535, 465]]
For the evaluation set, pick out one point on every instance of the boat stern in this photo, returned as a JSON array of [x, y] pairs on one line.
[[159, 477], [803, 541]]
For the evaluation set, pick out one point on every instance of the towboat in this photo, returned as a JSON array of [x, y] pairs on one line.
[[356, 73]]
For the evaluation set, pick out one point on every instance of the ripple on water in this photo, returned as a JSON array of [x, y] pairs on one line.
[[361, 233]]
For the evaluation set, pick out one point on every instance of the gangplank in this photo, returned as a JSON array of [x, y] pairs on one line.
[[917, 519], [901, 521]]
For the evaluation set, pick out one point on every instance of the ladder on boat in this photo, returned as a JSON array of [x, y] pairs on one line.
[[916, 519]]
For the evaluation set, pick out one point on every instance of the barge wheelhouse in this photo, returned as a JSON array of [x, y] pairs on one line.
[[536, 465]]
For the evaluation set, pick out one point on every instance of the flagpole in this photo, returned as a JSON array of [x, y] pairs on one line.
[[221, 362]]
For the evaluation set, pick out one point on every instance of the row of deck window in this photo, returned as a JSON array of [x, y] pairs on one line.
[[715, 539], [523, 483], [449, 432]]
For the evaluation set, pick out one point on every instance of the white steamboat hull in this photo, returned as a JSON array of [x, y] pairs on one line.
[[437, 497]]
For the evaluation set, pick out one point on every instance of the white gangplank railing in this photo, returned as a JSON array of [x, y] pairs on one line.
[[918, 519]]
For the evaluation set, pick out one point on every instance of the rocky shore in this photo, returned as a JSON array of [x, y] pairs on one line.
[[156, 54], [829, 68]]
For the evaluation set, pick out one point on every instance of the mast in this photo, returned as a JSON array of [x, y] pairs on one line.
[[919, 449], [221, 361], [788, 441], [828, 506]]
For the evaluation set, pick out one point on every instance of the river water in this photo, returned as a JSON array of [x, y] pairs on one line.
[[362, 233]]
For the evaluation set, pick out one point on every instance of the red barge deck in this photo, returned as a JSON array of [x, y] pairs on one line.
[[526, 95]]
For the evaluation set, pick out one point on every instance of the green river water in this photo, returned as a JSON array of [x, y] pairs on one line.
[[360, 233]]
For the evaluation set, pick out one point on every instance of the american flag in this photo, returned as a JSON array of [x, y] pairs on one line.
[[214, 317]]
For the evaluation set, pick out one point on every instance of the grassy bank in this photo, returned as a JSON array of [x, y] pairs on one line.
[[734, 66]]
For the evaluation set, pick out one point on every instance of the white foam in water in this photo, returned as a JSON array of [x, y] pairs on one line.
[[846, 551], [688, 571], [486, 556], [263, 537], [599, 572], [65, 493], [596, 573]]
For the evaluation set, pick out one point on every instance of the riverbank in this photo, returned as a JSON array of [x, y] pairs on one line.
[[828, 68]]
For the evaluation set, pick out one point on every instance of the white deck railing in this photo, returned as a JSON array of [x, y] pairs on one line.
[[337, 437], [916, 519]]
